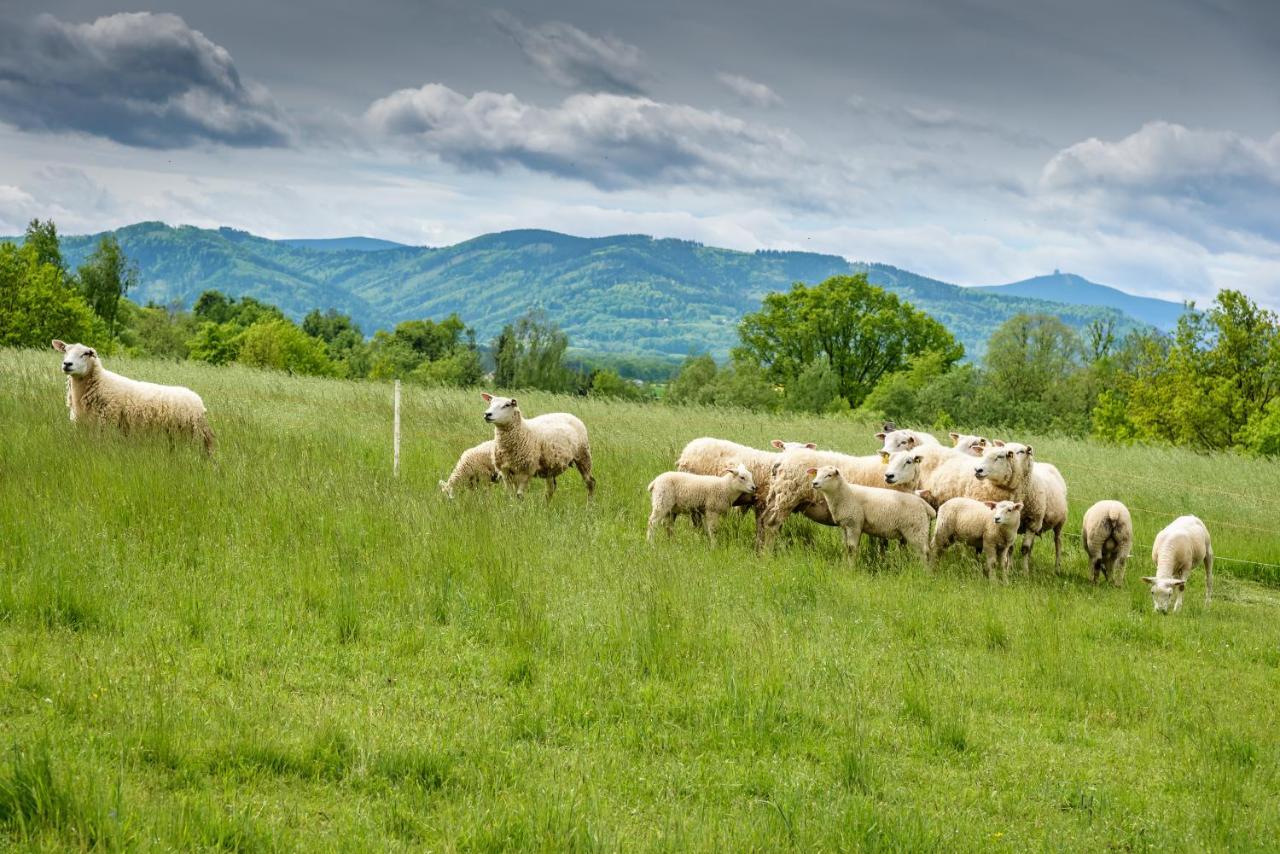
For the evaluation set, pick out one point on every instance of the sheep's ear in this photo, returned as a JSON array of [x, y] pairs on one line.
[[975, 450], [486, 396], [777, 443], [955, 437], [924, 493], [884, 456], [997, 443], [811, 472], [812, 446], [1179, 585], [1149, 579], [917, 459], [1018, 506], [91, 352], [513, 402], [880, 436], [59, 345], [991, 505], [1009, 454], [1028, 450]]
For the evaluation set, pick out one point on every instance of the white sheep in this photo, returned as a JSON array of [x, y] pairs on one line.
[[1107, 537], [880, 513], [1176, 551], [968, 444], [1050, 488], [708, 455], [791, 488], [904, 440], [95, 394], [474, 467], [545, 446], [675, 492], [990, 527]]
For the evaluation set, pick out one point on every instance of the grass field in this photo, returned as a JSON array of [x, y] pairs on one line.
[[290, 649]]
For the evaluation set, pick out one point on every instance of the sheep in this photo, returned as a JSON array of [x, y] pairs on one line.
[[990, 527], [474, 467], [710, 456], [95, 394], [1050, 488], [545, 446], [1177, 549], [904, 440], [967, 444], [1107, 537], [880, 513], [915, 468], [676, 492]]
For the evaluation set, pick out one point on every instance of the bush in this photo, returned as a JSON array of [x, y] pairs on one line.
[[281, 345]]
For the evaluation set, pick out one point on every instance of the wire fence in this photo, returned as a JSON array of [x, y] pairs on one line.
[[1190, 487]]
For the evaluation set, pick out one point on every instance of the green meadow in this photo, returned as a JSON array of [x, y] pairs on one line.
[[288, 648]]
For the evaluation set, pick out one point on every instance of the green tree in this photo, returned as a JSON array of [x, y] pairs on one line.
[[42, 237], [105, 278], [530, 354], [862, 331], [215, 343], [609, 383], [816, 389], [696, 373], [1034, 369], [36, 303], [281, 345]]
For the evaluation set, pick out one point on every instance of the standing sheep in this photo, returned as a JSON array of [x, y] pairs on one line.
[[710, 456], [791, 488], [990, 527], [95, 394], [473, 468], [1107, 537], [880, 513], [676, 492], [1176, 551], [545, 446]]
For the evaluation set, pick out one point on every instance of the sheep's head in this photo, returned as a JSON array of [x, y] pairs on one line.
[[824, 478], [899, 440], [1005, 512], [903, 468], [966, 444], [77, 359], [782, 445], [1166, 593], [996, 464], [502, 410], [740, 475]]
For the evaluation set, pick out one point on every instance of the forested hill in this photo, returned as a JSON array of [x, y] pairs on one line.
[[628, 293]]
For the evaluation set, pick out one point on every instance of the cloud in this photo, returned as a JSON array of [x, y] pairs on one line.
[[613, 142], [749, 91], [578, 60], [140, 79], [933, 120]]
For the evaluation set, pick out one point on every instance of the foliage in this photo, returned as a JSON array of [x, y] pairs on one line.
[[283, 346], [36, 302], [530, 354], [859, 331], [608, 383], [104, 280]]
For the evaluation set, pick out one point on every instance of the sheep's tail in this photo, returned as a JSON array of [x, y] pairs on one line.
[[652, 484]]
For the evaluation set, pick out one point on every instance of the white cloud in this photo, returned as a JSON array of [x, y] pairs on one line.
[[749, 91]]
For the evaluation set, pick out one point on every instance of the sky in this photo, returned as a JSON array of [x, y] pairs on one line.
[[975, 141]]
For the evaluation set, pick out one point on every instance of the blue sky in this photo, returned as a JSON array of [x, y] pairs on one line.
[[977, 141]]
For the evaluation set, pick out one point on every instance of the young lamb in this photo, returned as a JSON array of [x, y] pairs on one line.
[[473, 468], [880, 513], [95, 394], [791, 488], [676, 492], [904, 440], [1107, 537], [545, 446], [990, 527], [710, 456], [1176, 551]]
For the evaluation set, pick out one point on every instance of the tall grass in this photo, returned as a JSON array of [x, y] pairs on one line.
[[290, 648]]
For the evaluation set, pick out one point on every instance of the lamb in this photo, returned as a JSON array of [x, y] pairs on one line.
[[1176, 551], [880, 513], [990, 527], [545, 446], [904, 440], [676, 492], [95, 394], [711, 456], [1107, 537], [791, 488], [473, 468]]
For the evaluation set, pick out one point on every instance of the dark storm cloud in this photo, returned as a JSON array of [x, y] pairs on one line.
[[140, 79], [575, 59]]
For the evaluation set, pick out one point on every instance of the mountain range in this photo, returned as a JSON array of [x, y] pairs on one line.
[[621, 294]]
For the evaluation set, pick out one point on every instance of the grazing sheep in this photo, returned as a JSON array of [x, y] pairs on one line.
[[904, 440], [880, 513], [473, 468], [791, 488], [967, 444], [545, 446], [95, 394], [710, 456], [1107, 537], [990, 527], [1176, 551], [676, 492]]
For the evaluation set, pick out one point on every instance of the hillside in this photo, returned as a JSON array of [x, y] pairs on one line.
[[1076, 290], [625, 294]]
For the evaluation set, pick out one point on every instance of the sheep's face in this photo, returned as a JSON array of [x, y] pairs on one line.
[[77, 359], [824, 478], [903, 468], [972, 445], [1166, 593], [502, 410], [996, 463], [899, 440], [741, 477], [1006, 512]]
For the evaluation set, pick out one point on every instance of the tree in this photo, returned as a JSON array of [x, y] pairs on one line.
[[862, 331], [696, 373], [329, 326], [105, 278], [281, 345], [609, 383], [530, 354], [1034, 373], [36, 303], [816, 390], [42, 237]]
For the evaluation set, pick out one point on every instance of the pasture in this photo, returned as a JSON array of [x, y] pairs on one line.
[[291, 649]]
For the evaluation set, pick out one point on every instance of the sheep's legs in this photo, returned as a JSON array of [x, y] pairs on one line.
[[709, 522], [583, 465], [1117, 571], [551, 487], [1057, 548], [1208, 576], [852, 534]]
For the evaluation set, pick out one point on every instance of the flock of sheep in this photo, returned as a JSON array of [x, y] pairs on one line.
[[980, 493]]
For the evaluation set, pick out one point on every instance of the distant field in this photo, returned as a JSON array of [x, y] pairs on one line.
[[290, 649]]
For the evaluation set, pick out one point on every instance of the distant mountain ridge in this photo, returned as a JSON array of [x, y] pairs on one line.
[[623, 294], [1075, 290]]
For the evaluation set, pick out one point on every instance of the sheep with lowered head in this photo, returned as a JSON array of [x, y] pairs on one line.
[[1177, 549], [474, 467], [990, 527], [546, 446], [710, 497], [95, 394], [1107, 537], [880, 513]]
